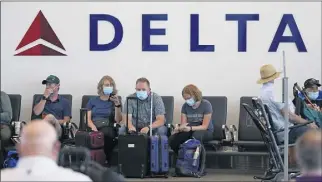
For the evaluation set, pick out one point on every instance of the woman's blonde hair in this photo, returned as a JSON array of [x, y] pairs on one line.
[[101, 83], [193, 91]]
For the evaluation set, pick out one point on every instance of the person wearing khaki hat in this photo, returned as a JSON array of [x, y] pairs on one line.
[[268, 74], [51, 106]]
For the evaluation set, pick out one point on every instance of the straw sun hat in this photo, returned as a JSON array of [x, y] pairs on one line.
[[268, 73]]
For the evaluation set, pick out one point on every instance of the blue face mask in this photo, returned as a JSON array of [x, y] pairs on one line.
[[313, 95], [191, 102], [107, 90], [142, 95]]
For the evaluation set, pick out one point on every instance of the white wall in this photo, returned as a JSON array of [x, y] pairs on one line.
[[224, 72]]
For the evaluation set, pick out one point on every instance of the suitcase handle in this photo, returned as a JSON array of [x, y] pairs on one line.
[[127, 114], [84, 110]]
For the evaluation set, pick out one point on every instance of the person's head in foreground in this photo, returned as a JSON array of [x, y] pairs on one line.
[[192, 95], [311, 87], [308, 153], [39, 138], [38, 152]]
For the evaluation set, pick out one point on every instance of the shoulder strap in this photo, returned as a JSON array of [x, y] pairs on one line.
[[202, 161]]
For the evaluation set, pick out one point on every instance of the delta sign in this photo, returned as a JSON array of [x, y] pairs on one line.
[[40, 29]]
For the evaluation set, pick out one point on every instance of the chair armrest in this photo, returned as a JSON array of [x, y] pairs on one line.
[[226, 133], [233, 132], [116, 125], [295, 126], [171, 126]]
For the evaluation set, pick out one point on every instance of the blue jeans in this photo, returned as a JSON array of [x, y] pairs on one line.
[[162, 130]]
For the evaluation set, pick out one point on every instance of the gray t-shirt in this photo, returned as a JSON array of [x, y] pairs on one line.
[[195, 116], [145, 109]]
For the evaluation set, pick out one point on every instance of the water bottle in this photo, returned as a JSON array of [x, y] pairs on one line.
[[195, 157]]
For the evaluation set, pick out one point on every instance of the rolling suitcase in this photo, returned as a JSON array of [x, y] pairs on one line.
[[133, 150], [89, 139], [73, 157], [159, 152], [93, 140], [98, 155]]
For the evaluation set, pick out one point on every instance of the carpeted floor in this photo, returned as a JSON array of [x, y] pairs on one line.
[[213, 175]]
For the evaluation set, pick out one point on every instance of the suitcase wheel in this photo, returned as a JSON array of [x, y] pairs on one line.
[[166, 176]]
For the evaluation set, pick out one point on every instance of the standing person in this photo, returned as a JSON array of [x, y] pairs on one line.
[[143, 93], [196, 121], [103, 111], [38, 153], [51, 106]]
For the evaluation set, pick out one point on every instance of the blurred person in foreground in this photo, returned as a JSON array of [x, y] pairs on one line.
[[308, 154], [38, 152]]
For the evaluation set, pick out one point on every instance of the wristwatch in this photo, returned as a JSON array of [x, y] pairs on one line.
[[118, 105], [44, 98]]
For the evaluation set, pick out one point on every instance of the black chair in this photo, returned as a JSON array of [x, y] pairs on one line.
[[249, 136], [275, 160], [85, 100], [275, 146], [219, 117], [169, 108], [38, 97], [15, 100]]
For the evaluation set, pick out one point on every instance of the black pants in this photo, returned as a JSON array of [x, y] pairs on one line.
[[5, 134], [177, 139], [109, 141]]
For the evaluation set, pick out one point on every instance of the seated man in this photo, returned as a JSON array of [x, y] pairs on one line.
[[268, 75], [38, 152], [311, 88], [143, 93], [6, 117], [53, 107], [308, 154]]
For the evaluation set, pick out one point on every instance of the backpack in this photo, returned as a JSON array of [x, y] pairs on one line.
[[11, 159], [191, 159], [308, 113]]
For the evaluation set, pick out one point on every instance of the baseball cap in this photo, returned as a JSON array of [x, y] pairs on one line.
[[311, 82], [51, 79]]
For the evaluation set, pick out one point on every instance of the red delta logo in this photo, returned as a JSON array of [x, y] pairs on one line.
[[40, 40]]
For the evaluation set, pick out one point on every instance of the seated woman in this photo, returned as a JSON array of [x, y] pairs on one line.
[[195, 119], [103, 111]]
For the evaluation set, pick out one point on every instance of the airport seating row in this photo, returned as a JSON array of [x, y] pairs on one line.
[[249, 142]]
